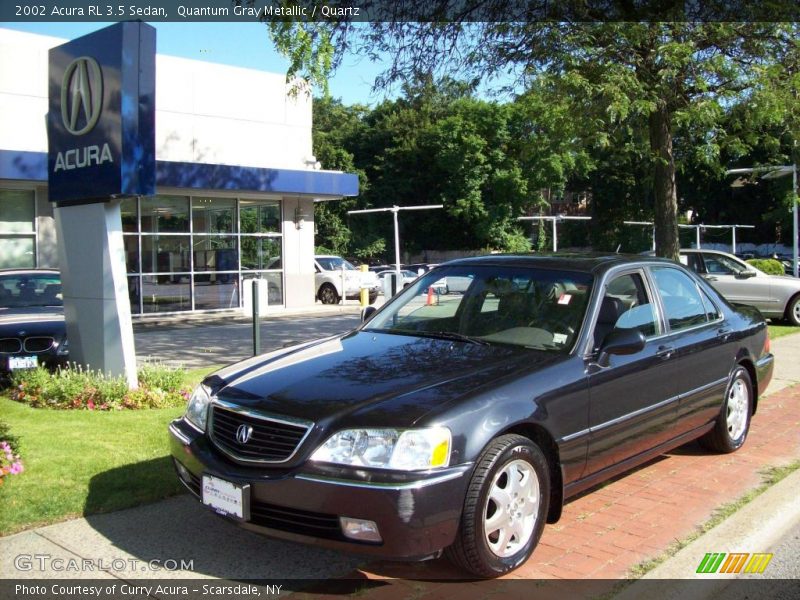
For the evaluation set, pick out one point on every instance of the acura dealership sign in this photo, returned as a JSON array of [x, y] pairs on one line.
[[101, 119]]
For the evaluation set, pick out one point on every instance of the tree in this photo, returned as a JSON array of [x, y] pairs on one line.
[[666, 72]]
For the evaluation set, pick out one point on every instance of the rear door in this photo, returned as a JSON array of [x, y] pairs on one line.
[[702, 343]]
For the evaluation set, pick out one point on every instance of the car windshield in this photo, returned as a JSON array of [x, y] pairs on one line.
[[528, 307], [30, 289], [334, 263]]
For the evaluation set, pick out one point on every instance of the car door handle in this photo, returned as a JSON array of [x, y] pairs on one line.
[[724, 332], [664, 352], [711, 278]]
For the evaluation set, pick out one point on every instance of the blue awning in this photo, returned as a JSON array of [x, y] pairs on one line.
[[32, 166]]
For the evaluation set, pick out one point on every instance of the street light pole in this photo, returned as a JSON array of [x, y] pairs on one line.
[[394, 210], [554, 219]]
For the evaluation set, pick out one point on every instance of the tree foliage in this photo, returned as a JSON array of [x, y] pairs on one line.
[[655, 74]]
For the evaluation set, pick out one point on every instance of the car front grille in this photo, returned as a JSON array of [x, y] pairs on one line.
[[10, 345], [295, 520], [38, 344], [272, 440], [31, 345]]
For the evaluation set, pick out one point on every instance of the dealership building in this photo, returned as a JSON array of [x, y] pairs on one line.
[[236, 183]]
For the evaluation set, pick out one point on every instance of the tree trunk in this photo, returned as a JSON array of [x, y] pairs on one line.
[[666, 199]]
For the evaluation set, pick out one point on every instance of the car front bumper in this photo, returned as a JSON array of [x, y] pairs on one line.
[[416, 518]]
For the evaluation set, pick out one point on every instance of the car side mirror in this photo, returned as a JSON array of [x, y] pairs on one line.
[[745, 274], [620, 341], [367, 312]]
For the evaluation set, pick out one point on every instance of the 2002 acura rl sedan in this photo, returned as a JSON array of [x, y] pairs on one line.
[[461, 422]]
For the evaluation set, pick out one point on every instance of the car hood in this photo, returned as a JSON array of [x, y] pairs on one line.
[[375, 379], [32, 318]]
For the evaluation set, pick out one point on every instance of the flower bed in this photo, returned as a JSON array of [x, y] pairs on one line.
[[76, 388]]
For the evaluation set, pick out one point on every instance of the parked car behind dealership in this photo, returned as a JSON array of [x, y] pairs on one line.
[[328, 280], [461, 422], [776, 296], [32, 330]]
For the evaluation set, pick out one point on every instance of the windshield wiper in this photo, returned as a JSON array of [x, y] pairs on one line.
[[452, 335]]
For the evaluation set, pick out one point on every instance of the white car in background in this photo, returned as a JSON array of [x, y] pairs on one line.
[[776, 296], [328, 280]]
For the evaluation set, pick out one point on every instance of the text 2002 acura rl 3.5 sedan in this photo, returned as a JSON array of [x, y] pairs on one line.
[[461, 422]]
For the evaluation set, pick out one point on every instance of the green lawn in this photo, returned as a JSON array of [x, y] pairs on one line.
[[776, 331], [83, 462]]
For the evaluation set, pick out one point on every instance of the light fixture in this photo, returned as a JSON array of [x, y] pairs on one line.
[[299, 217]]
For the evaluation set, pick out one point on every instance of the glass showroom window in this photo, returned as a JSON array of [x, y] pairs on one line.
[[17, 229], [166, 254], [262, 245], [187, 253], [215, 253]]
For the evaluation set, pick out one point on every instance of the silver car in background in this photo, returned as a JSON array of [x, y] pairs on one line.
[[776, 296]]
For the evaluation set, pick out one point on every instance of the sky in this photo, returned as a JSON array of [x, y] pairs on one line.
[[238, 44]]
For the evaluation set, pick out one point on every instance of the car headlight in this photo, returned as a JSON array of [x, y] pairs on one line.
[[197, 409], [409, 450], [63, 348]]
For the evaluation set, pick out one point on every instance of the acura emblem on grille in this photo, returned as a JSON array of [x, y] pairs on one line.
[[243, 433]]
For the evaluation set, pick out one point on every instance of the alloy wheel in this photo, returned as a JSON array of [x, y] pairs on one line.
[[511, 508], [738, 405]]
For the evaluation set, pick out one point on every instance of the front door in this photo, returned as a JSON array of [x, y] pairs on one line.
[[633, 399]]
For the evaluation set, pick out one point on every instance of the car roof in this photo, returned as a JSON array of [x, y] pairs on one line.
[[588, 262]]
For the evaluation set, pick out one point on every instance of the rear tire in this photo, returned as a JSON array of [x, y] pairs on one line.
[[793, 311], [328, 295], [733, 422], [505, 508]]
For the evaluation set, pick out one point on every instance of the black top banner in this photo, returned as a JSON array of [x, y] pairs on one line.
[[401, 10]]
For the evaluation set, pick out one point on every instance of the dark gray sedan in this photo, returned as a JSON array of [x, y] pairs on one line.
[[461, 422]]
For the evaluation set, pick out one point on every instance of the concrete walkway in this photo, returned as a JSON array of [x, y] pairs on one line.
[[601, 535]]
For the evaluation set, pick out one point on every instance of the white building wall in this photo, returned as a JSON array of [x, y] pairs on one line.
[[205, 112]]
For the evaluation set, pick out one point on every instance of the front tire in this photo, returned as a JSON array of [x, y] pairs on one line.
[[733, 422], [328, 295], [504, 510], [793, 311]]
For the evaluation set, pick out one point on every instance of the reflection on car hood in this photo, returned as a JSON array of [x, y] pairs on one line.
[[30, 314], [376, 379]]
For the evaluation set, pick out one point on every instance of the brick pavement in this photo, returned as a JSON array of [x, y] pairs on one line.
[[605, 532]]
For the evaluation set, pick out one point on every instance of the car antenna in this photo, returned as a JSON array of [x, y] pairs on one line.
[[618, 247]]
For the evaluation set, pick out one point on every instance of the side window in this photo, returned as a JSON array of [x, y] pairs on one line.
[[683, 306], [692, 261], [625, 305], [712, 313], [722, 265]]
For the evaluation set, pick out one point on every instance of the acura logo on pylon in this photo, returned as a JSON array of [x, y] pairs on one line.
[[81, 95]]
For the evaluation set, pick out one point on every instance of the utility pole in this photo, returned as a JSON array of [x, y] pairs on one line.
[[554, 219], [394, 210]]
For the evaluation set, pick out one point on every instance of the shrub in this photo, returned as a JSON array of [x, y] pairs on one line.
[[77, 388], [770, 266]]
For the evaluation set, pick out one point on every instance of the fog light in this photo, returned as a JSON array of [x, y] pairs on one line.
[[360, 529], [183, 472]]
